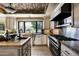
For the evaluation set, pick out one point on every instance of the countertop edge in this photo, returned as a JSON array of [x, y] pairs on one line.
[[15, 44]]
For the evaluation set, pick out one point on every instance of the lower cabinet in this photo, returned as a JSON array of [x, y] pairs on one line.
[[65, 51], [40, 39]]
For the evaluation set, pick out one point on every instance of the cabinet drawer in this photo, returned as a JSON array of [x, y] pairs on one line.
[[67, 51], [62, 54]]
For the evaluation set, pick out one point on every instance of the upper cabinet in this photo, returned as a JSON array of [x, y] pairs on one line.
[[75, 14], [66, 14], [56, 11], [61, 11]]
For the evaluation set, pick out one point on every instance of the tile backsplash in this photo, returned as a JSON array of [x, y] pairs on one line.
[[71, 32]]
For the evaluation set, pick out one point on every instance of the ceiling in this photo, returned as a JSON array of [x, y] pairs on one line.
[[26, 8]]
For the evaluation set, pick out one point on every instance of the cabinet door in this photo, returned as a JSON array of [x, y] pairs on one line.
[[38, 39], [65, 51], [44, 39], [75, 14]]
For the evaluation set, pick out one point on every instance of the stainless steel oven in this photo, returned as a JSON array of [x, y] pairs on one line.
[[54, 46]]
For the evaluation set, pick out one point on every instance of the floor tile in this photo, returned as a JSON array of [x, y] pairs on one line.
[[40, 51]]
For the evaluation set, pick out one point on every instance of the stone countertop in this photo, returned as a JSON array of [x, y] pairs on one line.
[[74, 45], [15, 43], [61, 38]]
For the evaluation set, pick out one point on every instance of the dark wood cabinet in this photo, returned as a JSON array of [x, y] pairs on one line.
[[66, 8], [63, 12]]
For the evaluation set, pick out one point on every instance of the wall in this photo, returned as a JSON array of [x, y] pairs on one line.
[[51, 8], [2, 19], [46, 22], [10, 22]]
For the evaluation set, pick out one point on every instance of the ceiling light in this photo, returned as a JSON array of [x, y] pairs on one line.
[[8, 10]]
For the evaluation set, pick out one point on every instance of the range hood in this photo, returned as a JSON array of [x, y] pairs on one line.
[[61, 16], [67, 22], [63, 12], [7, 8], [63, 25]]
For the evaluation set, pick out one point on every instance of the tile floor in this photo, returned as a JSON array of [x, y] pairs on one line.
[[40, 51]]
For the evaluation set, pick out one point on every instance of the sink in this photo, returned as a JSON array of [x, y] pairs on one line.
[[23, 37], [2, 38], [12, 36]]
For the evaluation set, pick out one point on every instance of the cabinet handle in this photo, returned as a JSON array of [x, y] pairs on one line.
[[67, 52]]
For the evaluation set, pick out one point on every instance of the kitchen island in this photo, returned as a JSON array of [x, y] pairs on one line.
[[16, 47]]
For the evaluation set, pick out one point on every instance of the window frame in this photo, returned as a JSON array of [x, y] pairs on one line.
[[31, 21]]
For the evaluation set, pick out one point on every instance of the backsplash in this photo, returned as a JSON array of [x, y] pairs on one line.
[[71, 32]]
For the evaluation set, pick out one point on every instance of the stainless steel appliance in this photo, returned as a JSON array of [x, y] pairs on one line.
[[54, 46]]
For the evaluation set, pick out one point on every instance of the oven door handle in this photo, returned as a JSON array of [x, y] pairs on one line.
[[67, 52], [53, 43]]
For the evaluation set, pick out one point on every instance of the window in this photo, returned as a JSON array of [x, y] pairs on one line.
[[1, 26], [39, 27], [31, 26], [21, 26]]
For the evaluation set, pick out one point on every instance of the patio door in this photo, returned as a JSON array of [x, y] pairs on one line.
[[31, 26]]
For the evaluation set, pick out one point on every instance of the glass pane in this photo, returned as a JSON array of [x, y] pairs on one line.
[[2, 26], [21, 26], [39, 27], [30, 27]]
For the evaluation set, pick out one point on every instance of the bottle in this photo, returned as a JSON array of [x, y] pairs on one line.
[[7, 36], [19, 34], [6, 33]]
